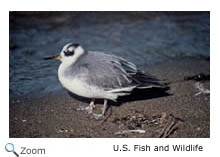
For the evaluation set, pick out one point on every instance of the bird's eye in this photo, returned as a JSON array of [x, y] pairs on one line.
[[68, 53]]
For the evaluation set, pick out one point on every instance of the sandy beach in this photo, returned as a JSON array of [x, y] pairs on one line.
[[183, 112]]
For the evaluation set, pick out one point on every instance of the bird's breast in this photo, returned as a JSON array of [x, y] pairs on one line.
[[77, 84]]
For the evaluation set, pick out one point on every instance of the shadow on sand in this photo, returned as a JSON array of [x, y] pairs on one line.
[[136, 95]]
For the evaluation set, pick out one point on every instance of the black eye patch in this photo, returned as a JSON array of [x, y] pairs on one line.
[[68, 53]]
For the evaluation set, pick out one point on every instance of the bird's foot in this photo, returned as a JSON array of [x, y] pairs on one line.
[[101, 116], [98, 116], [89, 108]]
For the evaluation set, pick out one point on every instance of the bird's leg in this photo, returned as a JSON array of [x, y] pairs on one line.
[[101, 116], [89, 108]]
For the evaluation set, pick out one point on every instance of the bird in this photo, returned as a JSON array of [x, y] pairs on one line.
[[100, 75]]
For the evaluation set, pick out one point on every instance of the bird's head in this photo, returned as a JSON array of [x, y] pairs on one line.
[[69, 54]]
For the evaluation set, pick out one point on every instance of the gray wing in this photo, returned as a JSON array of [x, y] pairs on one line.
[[111, 72]]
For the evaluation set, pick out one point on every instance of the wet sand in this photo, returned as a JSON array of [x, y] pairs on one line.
[[182, 113]]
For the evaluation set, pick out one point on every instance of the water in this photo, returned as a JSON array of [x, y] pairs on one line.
[[143, 38]]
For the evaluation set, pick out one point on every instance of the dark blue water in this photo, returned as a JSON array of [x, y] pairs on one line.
[[143, 38]]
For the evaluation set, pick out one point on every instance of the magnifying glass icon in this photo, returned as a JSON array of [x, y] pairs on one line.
[[9, 147]]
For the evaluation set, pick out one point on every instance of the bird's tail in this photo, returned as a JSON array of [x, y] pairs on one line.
[[145, 81]]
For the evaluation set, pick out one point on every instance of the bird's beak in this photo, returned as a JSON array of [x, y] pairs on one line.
[[53, 57]]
